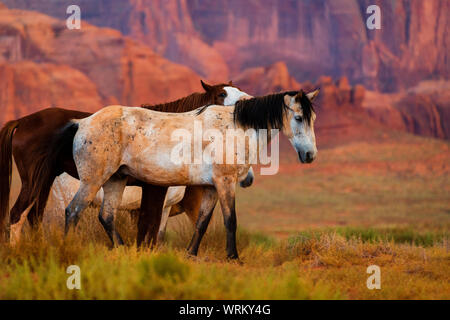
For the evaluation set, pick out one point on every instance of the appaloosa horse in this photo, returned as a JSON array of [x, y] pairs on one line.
[[28, 140], [120, 142]]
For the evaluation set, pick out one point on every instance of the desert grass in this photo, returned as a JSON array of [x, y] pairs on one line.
[[310, 232], [393, 184], [315, 264]]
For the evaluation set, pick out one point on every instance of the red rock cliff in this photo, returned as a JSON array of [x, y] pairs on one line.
[[313, 37], [99, 65]]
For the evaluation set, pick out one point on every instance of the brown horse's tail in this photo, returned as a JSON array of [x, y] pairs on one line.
[[50, 163], [6, 135]]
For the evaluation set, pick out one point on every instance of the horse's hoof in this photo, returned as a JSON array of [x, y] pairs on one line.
[[192, 257], [235, 260]]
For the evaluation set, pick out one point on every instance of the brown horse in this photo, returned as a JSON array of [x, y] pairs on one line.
[[28, 140]]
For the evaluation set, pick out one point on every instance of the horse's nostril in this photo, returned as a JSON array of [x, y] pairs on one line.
[[309, 157]]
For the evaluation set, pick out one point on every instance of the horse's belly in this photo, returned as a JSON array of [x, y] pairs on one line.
[[65, 187], [158, 178], [174, 195], [159, 169]]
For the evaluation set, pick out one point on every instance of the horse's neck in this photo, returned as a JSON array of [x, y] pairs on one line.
[[266, 142], [189, 103]]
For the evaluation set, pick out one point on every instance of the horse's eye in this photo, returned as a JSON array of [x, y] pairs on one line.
[[299, 118], [222, 95]]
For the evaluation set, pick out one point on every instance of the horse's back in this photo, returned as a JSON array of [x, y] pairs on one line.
[[46, 121], [36, 132]]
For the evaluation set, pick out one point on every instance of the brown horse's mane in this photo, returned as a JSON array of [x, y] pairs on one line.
[[185, 104]]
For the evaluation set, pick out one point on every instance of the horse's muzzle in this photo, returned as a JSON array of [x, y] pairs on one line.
[[307, 158]]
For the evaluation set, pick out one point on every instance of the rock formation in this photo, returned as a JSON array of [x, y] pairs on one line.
[[267, 46], [95, 66], [261, 81], [26, 87], [163, 25]]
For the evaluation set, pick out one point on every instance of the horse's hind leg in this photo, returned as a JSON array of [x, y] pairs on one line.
[[209, 201], [85, 195], [113, 191], [36, 214], [18, 214], [226, 188], [16, 229], [22, 203], [26, 209]]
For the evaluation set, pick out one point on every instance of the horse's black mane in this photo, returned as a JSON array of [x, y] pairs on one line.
[[307, 106], [268, 111]]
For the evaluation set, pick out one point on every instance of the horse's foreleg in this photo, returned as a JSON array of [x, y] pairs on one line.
[[209, 201], [226, 187], [85, 195], [113, 191], [192, 201], [142, 220], [152, 203]]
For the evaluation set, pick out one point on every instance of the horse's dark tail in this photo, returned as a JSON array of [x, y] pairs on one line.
[[6, 135], [50, 163]]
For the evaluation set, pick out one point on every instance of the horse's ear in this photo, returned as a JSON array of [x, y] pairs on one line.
[[288, 99], [230, 83], [313, 94], [206, 86]]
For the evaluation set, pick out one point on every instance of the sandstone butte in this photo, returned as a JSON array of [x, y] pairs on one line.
[[163, 25], [43, 64]]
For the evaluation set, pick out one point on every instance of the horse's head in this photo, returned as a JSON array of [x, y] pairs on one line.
[[224, 94], [299, 124]]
